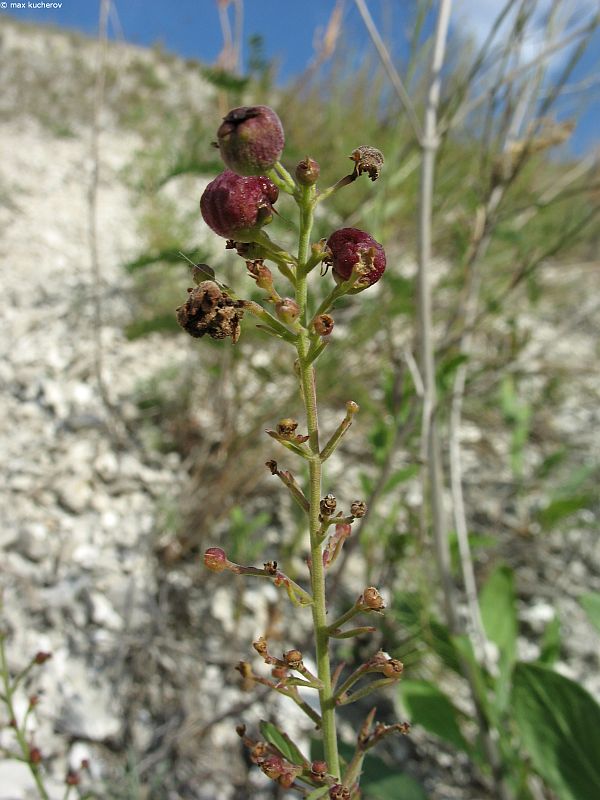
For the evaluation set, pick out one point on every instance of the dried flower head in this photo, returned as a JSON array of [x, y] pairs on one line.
[[251, 139], [209, 311], [358, 509], [293, 658], [372, 599], [367, 159], [286, 427], [323, 324], [328, 505], [350, 247], [235, 207]]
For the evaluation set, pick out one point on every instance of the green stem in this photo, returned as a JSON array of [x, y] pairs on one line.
[[306, 202], [19, 733]]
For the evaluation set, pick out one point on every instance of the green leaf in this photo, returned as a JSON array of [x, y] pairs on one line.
[[401, 476], [560, 726], [551, 643], [562, 507], [429, 707], [498, 611], [380, 782], [590, 603], [283, 743]]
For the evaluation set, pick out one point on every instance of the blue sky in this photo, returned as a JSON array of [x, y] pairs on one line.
[[191, 29]]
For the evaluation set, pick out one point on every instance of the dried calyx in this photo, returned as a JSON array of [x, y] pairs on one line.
[[209, 311]]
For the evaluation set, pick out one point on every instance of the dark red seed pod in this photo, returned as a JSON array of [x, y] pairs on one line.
[[235, 207], [251, 140], [349, 247]]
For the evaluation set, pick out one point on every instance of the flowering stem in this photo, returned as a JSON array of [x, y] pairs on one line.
[[19, 730], [306, 202]]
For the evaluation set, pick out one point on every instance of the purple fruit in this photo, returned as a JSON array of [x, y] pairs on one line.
[[251, 140], [235, 207], [349, 247]]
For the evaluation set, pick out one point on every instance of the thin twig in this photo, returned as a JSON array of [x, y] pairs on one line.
[[391, 70]]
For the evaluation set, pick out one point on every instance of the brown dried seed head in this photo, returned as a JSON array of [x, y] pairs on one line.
[[293, 658], [328, 505], [373, 599], [270, 567], [367, 159], [358, 509], [208, 311]]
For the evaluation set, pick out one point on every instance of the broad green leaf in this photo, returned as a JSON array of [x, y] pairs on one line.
[[497, 602], [590, 603], [282, 742], [464, 650], [428, 706], [559, 724], [380, 782]]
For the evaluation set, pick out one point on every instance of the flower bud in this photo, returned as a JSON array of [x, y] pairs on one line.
[[261, 274], [319, 769], [251, 140], [235, 207], [350, 247], [287, 310], [41, 657], [339, 792], [215, 559], [323, 324], [273, 766], [307, 172], [352, 408]]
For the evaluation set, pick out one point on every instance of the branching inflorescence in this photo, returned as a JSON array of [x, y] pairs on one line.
[[237, 205]]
